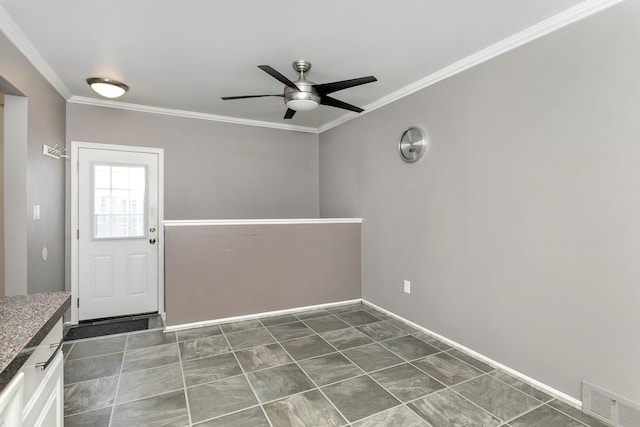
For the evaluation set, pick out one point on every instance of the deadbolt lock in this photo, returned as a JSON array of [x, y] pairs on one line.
[[152, 230]]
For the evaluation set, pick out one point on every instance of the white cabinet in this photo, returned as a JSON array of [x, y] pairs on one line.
[[45, 408], [34, 397], [11, 402], [43, 388]]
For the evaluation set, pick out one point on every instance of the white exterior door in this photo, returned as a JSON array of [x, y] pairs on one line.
[[118, 193]]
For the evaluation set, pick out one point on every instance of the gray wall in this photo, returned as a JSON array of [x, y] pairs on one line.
[[520, 230], [214, 170], [43, 178], [219, 271]]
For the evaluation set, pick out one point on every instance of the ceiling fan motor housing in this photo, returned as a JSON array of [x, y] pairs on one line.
[[307, 92]]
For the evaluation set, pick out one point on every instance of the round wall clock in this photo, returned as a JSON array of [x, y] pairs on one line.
[[413, 144]]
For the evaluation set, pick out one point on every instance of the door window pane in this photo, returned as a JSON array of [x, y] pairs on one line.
[[120, 194]]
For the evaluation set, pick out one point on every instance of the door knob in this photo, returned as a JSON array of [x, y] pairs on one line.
[[152, 241]]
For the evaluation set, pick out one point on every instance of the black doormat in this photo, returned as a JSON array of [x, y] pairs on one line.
[[109, 328]]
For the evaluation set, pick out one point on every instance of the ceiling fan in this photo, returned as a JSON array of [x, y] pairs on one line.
[[305, 95]]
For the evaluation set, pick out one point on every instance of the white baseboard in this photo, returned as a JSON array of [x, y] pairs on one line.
[[256, 315], [522, 377]]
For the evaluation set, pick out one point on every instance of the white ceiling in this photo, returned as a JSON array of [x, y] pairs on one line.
[[184, 55]]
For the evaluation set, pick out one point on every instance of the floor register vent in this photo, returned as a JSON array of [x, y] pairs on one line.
[[608, 407]]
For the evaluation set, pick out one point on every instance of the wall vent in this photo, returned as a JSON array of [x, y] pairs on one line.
[[609, 407]]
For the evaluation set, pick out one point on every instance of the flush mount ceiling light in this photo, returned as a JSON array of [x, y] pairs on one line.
[[108, 88]]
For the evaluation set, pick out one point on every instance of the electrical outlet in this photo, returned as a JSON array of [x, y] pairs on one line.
[[407, 287]]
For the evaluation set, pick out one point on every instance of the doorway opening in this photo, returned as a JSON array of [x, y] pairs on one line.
[[117, 254]]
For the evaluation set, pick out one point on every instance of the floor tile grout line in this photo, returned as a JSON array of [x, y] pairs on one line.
[[368, 374], [218, 417], [237, 322], [86, 381], [145, 369], [89, 411], [550, 407], [201, 339], [550, 398], [151, 395], [501, 421], [568, 415], [259, 319], [293, 360], [184, 382], [66, 356], [451, 387], [474, 367], [524, 413], [279, 343], [407, 333], [115, 394], [246, 377], [445, 387], [312, 332], [490, 373], [197, 337], [354, 309], [313, 317], [401, 404], [97, 355], [482, 373], [364, 373], [310, 379]]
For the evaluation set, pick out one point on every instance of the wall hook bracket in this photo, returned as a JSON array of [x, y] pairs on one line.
[[55, 152]]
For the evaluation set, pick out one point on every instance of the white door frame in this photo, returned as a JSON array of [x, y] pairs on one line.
[[75, 150]]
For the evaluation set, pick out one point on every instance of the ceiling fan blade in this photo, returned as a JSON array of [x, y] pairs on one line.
[[332, 102], [326, 88], [289, 114], [226, 98], [276, 75]]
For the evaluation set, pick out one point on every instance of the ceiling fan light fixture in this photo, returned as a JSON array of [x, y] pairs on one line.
[[302, 104], [108, 88], [302, 97]]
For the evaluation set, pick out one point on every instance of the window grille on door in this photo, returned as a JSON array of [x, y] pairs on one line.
[[120, 200]]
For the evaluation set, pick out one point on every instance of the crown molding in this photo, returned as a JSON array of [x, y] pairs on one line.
[[13, 33], [187, 114], [576, 13], [534, 32]]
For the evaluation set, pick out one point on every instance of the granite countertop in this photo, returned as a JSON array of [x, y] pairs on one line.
[[24, 322]]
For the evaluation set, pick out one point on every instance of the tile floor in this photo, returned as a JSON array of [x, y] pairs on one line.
[[342, 366]]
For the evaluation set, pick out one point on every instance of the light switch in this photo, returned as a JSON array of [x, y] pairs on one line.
[[36, 212]]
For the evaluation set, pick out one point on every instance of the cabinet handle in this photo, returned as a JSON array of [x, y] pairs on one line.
[[45, 365]]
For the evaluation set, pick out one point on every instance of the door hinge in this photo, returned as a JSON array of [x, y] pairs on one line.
[[78, 234], [78, 302]]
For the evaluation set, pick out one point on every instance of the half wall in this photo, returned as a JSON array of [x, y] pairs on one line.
[[220, 269]]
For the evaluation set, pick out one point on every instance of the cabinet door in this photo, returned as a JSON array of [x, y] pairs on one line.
[[46, 407], [33, 375], [11, 402]]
